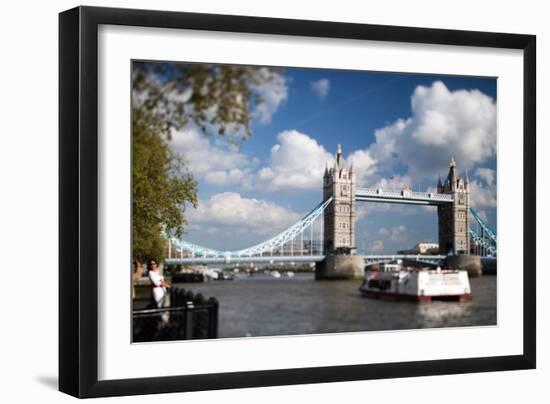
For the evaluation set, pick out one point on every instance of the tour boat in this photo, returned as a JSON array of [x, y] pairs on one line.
[[395, 281]]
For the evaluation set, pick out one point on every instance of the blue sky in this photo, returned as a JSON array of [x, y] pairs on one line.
[[405, 126]]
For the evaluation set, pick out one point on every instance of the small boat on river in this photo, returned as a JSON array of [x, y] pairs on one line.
[[275, 274]]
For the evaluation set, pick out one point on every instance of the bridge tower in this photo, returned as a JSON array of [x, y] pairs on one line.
[[339, 216], [454, 218]]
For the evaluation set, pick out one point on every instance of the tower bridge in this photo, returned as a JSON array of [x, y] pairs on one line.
[[326, 235]]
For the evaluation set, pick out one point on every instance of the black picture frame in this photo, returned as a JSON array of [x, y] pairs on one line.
[[78, 201]]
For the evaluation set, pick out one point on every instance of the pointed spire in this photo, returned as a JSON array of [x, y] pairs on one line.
[[467, 179], [339, 155], [451, 177], [439, 184]]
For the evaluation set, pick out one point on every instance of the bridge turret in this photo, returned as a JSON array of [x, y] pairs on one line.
[[339, 219], [339, 154], [454, 218]]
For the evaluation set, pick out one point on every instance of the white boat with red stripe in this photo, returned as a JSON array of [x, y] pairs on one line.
[[398, 282]]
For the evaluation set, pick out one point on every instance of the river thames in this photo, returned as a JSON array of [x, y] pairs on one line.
[[261, 305]]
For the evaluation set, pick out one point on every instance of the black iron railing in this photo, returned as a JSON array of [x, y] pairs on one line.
[[188, 316]]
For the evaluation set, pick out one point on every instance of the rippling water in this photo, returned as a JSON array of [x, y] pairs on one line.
[[263, 305]]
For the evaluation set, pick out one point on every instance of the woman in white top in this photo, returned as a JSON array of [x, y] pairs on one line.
[[158, 285]]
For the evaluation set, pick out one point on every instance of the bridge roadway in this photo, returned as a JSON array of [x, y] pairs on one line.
[[405, 196], [295, 259]]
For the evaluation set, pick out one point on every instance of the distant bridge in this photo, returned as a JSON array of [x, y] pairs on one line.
[[307, 240], [300, 259], [300, 243], [296, 259]]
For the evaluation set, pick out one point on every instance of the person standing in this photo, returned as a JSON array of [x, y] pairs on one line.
[[158, 285]]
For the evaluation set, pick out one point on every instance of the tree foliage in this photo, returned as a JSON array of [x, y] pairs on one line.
[[215, 98], [166, 97], [161, 187]]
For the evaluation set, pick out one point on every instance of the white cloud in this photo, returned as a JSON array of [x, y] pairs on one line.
[[377, 246], [364, 166], [297, 161], [229, 177], [272, 90], [483, 192], [395, 182], [253, 215], [483, 196], [486, 174], [383, 232], [397, 233], [216, 162], [320, 87], [444, 124]]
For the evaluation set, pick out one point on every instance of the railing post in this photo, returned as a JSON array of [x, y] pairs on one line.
[[213, 316], [189, 320]]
